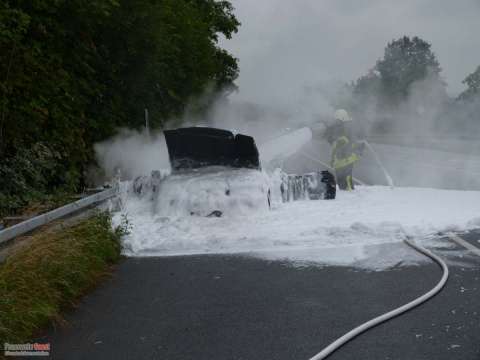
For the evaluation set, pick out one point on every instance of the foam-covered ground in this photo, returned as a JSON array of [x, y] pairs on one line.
[[340, 232]]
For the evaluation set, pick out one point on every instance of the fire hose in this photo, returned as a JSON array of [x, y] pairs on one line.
[[396, 312]]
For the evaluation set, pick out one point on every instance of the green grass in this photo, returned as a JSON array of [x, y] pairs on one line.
[[50, 273]]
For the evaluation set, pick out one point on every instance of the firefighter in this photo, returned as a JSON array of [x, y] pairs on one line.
[[345, 151]]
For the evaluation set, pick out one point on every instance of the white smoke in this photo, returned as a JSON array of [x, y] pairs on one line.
[[132, 152]]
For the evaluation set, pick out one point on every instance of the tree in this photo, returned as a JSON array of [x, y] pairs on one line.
[[72, 72], [406, 61], [467, 107], [404, 90], [165, 54], [473, 86], [366, 88]]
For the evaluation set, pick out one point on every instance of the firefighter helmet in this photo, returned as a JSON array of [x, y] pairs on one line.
[[342, 115]]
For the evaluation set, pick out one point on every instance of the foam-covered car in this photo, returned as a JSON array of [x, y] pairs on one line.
[[215, 172]]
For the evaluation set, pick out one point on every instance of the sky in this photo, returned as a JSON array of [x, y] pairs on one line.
[[284, 46]]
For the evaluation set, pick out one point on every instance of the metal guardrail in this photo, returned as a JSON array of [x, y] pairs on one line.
[[40, 220]]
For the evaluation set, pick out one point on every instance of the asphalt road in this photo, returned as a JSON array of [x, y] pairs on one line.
[[243, 308]]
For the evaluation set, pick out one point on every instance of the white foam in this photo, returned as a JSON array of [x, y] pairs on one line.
[[307, 230]]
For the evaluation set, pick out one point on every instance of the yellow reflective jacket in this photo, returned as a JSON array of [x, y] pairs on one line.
[[343, 153]]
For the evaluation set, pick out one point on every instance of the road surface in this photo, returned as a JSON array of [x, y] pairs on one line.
[[238, 307]]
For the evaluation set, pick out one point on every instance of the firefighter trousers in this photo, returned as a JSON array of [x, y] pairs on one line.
[[344, 177]]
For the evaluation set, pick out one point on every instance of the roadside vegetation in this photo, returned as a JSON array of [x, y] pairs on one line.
[[73, 72], [51, 272]]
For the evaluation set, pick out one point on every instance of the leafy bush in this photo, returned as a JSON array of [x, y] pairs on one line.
[[29, 176]]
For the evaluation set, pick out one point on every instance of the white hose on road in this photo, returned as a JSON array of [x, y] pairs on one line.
[[382, 318]]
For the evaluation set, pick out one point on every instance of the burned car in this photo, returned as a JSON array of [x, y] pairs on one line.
[[215, 172]]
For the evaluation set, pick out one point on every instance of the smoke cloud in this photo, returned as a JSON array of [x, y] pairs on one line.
[[284, 45], [132, 153], [295, 58]]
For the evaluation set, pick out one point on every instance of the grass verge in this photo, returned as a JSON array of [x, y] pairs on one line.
[[51, 272]]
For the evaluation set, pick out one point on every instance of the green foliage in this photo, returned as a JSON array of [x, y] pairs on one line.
[[473, 87], [72, 72], [405, 61], [405, 83], [28, 175], [467, 107], [366, 90], [51, 272], [168, 54], [368, 85]]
